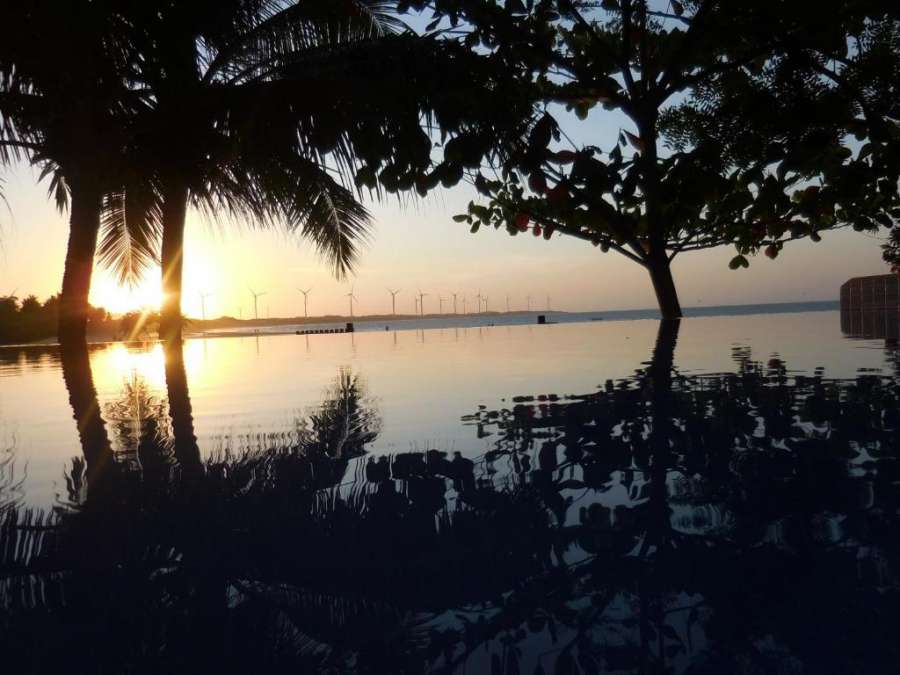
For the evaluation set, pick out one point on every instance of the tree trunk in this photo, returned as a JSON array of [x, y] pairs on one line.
[[84, 225], [186, 451], [95, 446], [174, 208], [664, 286]]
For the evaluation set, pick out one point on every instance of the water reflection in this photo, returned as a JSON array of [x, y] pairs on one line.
[[184, 441], [871, 324], [79, 380], [743, 522], [30, 356]]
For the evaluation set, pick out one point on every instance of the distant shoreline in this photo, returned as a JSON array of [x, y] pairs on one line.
[[226, 327], [611, 314], [376, 321]]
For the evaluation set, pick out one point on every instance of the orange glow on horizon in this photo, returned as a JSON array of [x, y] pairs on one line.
[[106, 292], [199, 276]]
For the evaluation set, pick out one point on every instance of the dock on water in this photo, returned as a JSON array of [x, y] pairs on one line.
[[349, 328]]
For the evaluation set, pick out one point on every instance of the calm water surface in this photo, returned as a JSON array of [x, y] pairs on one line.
[[715, 497], [421, 382]]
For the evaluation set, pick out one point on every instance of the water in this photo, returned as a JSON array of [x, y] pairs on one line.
[[715, 497], [423, 382], [528, 318]]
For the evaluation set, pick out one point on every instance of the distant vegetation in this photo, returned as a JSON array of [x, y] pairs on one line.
[[30, 320]]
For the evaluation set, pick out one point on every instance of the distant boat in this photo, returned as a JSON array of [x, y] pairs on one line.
[[596, 318]]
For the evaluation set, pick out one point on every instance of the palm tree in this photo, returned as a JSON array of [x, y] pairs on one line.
[[72, 123], [261, 109], [221, 136]]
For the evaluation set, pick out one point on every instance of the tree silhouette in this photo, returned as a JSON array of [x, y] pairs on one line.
[[749, 126], [72, 124], [269, 112]]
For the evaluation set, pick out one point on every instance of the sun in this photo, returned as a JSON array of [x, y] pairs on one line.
[[200, 275], [116, 298]]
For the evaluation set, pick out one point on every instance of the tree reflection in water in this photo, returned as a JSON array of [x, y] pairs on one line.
[[735, 523]]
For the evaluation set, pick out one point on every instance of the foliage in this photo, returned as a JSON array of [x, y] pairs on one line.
[[891, 250], [751, 124], [285, 113], [73, 123], [276, 113], [31, 320]]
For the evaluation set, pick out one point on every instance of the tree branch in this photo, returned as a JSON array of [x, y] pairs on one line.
[[626, 48], [666, 15], [694, 25]]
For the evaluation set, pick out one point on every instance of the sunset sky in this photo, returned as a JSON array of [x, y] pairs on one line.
[[417, 245]]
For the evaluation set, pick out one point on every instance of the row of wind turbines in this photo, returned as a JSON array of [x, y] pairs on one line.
[[418, 297], [419, 302]]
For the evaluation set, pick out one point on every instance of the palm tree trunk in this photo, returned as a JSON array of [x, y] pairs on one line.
[[84, 225], [664, 285], [186, 451], [172, 258], [95, 446]]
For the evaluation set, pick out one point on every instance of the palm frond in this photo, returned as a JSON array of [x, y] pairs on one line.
[[131, 229], [266, 177], [333, 220], [27, 544], [284, 31], [58, 189]]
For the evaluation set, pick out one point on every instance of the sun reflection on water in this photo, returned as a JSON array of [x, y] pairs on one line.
[[120, 362]]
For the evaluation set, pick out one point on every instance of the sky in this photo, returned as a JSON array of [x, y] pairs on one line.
[[416, 245]]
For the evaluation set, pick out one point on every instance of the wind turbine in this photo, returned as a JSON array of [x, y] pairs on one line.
[[422, 297], [352, 298], [416, 304], [441, 301], [305, 298], [256, 297], [479, 298], [464, 304], [454, 303], [485, 304], [393, 301], [203, 297], [507, 303]]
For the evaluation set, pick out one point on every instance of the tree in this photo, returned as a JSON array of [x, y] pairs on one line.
[[210, 105], [30, 305], [31, 320], [740, 124], [70, 122], [284, 113], [891, 250], [217, 141]]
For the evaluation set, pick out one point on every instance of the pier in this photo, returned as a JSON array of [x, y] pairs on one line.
[[323, 331]]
